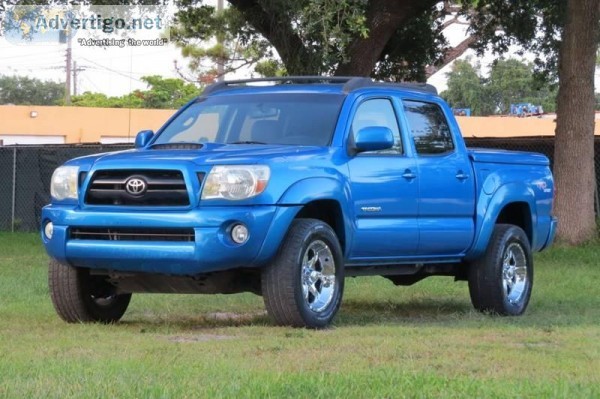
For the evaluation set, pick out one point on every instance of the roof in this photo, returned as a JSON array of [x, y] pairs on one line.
[[340, 84]]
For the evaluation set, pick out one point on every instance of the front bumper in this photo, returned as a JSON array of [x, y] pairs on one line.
[[212, 249]]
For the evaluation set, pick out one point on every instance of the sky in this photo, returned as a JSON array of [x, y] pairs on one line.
[[115, 71]]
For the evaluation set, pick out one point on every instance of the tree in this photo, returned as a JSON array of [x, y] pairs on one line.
[[513, 81], [167, 92], [574, 144], [565, 36], [510, 81], [467, 89], [162, 93], [22, 90], [392, 39], [101, 100]]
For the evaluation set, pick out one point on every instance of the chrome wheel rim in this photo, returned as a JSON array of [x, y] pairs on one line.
[[514, 273], [318, 276]]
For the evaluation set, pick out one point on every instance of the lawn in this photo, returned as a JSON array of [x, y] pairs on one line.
[[387, 341]]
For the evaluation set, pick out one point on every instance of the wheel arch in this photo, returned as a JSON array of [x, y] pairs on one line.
[[512, 203], [326, 199]]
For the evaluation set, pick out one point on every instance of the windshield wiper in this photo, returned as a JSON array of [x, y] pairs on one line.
[[247, 142]]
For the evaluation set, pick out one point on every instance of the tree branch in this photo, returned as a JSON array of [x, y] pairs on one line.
[[383, 19], [276, 26], [451, 55]]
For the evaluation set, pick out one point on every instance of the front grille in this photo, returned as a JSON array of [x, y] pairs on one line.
[[131, 234], [162, 188]]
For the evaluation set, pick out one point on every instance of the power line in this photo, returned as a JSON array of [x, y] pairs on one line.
[[112, 70]]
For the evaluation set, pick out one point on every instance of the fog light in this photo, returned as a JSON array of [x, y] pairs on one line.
[[49, 230], [239, 234]]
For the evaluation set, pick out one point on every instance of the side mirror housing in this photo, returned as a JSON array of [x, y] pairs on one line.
[[143, 138], [373, 138]]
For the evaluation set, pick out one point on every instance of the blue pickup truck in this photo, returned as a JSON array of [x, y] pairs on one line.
[[286, 186]]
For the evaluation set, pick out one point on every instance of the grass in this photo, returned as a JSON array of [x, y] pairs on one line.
[[387, 341]]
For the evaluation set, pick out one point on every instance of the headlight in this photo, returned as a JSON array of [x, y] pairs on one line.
[[236, 182], [64, 183]]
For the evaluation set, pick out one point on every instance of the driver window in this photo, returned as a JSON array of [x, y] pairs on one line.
[[378, 112]]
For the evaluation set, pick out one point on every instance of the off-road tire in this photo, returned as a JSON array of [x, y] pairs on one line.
[[79, 297], [283, 283], [489, 274]]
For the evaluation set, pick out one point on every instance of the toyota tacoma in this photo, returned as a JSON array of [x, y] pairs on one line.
[[286, 186]]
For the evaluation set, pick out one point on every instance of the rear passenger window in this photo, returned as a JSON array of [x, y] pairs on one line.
[[378, 112], [428, 128]]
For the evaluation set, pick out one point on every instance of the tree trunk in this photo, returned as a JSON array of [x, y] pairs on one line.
[[383, 19], [574, 144]]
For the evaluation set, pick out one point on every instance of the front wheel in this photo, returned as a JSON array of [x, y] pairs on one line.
[[303, 285], [501, 280], [78, 296]]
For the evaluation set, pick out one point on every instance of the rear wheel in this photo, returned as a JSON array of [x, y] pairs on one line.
[[303, 285], [501, 280], [78, 296]]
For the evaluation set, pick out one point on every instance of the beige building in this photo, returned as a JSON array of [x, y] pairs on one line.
[[21, 124]]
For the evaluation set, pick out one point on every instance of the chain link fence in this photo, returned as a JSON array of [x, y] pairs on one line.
[[25, 172], [543, 145]]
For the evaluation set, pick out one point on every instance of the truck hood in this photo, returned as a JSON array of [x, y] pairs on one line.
[[210, 153]]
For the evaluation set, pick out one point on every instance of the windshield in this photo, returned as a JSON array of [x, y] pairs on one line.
[[275, 118]]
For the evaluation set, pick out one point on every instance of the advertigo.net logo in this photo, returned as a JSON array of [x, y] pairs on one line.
[[129, 24]]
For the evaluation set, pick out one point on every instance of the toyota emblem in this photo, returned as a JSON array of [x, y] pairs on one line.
[[136, 186]]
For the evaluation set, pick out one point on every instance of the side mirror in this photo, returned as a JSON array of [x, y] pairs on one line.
[[373, 138], [143, 138]]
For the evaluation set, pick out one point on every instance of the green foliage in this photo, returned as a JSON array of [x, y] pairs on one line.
[[535, 26], [163, 93], [21, 90], [329, 26], [270, 67], [415, 45], [510, 81], [101, 100], [310, 36], [467, 89], [167, 93], [513, 81], [235, 44]]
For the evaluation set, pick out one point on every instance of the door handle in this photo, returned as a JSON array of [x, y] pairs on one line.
[[409, 175], [460, 175]]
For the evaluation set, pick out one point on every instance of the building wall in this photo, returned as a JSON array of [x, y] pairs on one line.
[[110, 125], [78, 124]]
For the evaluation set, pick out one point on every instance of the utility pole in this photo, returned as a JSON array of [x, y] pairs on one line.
[[68, 77], [221, 61], [76, 71], [74, 78]]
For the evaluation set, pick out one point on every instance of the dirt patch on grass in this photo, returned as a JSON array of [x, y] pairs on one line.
[[198, 338], [232, 316]]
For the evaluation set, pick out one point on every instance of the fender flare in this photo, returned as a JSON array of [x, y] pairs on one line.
[[488, 209], [312, 189]]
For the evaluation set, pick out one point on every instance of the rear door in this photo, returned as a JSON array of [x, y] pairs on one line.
[[384, 189], [446, 184]]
